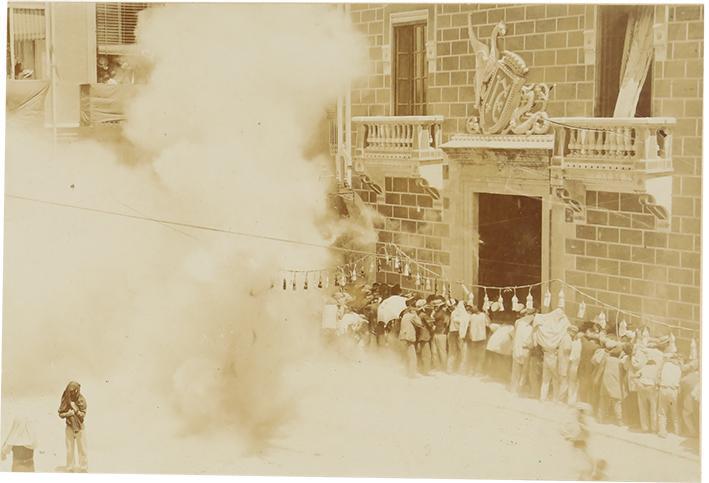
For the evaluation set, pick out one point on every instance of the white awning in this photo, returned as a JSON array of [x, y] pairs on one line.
[[28, 24]]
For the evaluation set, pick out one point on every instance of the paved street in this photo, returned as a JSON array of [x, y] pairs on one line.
[[360, 420]]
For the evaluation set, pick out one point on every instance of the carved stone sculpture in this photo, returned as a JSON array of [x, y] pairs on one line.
[[505, 102]]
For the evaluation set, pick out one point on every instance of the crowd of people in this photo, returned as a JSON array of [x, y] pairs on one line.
[[627, 377]]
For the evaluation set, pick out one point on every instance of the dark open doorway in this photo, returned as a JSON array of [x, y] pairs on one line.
[[510, 229]]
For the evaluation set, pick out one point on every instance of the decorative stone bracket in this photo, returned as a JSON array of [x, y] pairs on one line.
[[371, 185], [574, 197], [429, 190]]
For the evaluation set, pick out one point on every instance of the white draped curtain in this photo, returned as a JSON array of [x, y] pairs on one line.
[[637, 57]]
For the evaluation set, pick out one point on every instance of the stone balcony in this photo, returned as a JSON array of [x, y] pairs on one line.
[[416, 138], [399, 146], [612, 154]]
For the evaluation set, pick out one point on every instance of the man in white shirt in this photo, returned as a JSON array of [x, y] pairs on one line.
[[670, 377], [407, 334], [574, 359], [647, 380], [521, 343], [476, 340]]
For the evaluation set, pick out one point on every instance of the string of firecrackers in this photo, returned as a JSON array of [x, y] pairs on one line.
[[320, 278], [621, 326], [426, 280]]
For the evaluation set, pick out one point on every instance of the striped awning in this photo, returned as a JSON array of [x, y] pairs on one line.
[[28, 24]]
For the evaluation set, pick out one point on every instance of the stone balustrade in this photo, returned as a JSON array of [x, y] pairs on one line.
[[618, 144], [415, 138]]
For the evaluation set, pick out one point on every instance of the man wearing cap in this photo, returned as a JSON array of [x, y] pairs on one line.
[[521, 343], [670, 377], [612, 384], [441, 321], [459, 317], [407, 335], [647, 382], [423, 337]]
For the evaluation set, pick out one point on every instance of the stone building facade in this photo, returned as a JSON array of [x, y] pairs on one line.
[[604, 238]]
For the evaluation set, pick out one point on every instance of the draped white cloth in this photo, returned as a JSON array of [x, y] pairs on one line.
[[637, 56], [21, 434], [391, 308], [550, 328]]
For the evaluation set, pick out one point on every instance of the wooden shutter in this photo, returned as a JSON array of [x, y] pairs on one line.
[[410, 69], [116, 22]]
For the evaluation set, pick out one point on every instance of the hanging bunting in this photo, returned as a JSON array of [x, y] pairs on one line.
[[327, 280], [294, 280], [407, 270], [305, 285], [285, 284], [397, 265], [547, 299], [562, 299], [501, 303], [486, 302], [435, 286], [320, 280], [428, 284], [530, 299], [582, 310], [353, 277], [418, 280]]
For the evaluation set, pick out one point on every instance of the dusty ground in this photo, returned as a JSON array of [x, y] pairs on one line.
[[351, 422]]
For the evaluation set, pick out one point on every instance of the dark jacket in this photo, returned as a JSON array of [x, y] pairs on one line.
[[73, 400]]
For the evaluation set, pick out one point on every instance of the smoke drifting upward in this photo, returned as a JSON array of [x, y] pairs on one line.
[[164, 313]]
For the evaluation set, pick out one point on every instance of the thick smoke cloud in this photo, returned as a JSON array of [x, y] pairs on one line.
[[172, 314]]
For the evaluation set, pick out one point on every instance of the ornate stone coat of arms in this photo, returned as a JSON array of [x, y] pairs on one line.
[[505, 102]]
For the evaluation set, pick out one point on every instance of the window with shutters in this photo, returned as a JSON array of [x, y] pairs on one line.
[[410, 69], [116, 22], [117, 62], [612, 31], [26, 47]]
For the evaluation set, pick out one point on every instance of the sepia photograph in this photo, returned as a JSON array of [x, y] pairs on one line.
[[372, 240]]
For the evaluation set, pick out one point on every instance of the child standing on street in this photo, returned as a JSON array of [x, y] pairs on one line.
[[73, 409]]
